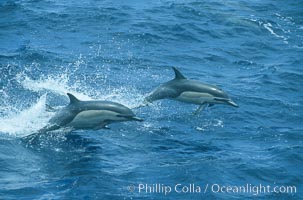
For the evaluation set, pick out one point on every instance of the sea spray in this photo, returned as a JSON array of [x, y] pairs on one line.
[[27, 121]]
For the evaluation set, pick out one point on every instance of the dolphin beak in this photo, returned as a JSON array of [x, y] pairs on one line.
[[137, 119], [232, 103]]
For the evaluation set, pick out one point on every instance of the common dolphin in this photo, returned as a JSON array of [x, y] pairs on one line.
[[190, 91], [89, 115]]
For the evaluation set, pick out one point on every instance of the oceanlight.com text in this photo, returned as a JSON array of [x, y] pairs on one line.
[[195, 188]]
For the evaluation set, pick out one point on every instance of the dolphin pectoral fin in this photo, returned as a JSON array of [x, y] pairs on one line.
[[102, 126], [200, 109]]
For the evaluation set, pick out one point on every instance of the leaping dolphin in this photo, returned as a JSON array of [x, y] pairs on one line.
[[89, 115], [190, 91]]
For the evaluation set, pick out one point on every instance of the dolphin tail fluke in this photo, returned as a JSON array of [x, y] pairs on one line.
[[29, 138], [32, 137], [48, 128], [145, 103], [49, 108]]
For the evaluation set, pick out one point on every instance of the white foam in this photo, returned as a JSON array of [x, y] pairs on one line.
[[26, 121], [56, 84], [60, 85], [268, 26], [207, 125]]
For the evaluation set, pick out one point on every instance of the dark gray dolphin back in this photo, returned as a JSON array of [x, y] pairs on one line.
[[77, 105], [181, 84], [196, 86]]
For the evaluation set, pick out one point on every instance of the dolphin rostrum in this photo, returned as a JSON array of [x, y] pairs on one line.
[[89, 115], [190, 91]]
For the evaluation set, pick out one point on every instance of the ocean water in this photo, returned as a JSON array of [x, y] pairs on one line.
[[120, 51]]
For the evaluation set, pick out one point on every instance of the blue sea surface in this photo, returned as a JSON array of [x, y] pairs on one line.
[[120, 51]]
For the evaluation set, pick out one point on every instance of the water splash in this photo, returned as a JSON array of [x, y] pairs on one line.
[[210, 124], [26, 121], [55, 84], [61, 84]]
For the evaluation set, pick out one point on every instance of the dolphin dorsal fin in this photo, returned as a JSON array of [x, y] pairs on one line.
[[72, 98], [178, 74]]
